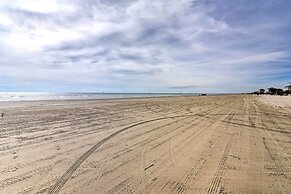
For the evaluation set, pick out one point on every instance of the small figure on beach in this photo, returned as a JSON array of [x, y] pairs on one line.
[[2, 115]]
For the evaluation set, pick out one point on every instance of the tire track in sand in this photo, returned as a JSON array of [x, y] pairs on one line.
[[215, 184], [65, 177]]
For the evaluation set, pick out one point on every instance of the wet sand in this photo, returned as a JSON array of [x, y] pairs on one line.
[[213, 144]]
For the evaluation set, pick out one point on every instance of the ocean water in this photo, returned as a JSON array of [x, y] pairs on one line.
[[34, 96]]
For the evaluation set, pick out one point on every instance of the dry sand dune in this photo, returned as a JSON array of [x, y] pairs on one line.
[[279, 101], [214, 144]]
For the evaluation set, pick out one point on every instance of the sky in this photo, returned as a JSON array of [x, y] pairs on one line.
[[144, 45]]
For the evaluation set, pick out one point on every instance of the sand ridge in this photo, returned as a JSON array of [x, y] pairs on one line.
[[213, 144]]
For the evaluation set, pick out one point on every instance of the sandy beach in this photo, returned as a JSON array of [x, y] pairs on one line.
[[206, 144], [277, 101]]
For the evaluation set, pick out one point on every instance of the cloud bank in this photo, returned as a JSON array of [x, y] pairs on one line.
[[144, 46]]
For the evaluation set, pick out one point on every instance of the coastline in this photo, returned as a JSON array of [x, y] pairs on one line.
[[47, 96], [13, 103]]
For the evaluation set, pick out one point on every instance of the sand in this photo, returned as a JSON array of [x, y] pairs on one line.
[[279, 101], [213, 144]]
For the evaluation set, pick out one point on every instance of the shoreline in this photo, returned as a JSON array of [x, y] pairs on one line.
[[86, 96], [53, 101]]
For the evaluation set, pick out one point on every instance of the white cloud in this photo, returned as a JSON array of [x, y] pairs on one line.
[[43, 6], [152, 44], [5, 20]]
